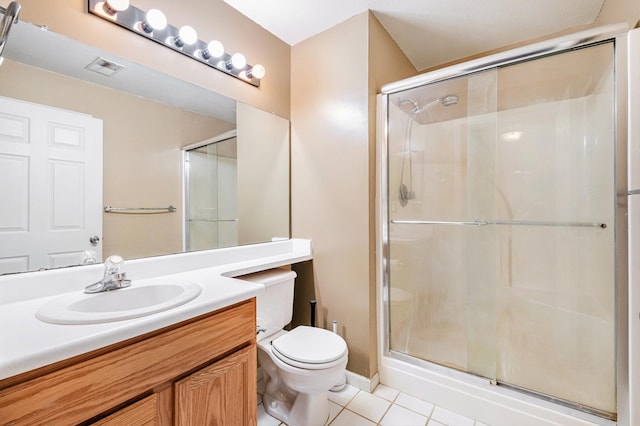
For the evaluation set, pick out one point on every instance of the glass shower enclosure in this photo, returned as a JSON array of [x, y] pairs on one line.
[[211, 193], [500, 227]]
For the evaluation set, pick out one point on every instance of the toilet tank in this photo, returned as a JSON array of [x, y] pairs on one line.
[[275, 306]]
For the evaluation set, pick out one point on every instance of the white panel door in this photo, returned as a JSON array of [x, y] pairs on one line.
[[50, 186]]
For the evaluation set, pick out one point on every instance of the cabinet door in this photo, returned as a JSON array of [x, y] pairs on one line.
[[223, 393], [142, 413]]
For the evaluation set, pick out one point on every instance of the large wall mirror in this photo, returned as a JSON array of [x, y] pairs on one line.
[[116, 134]]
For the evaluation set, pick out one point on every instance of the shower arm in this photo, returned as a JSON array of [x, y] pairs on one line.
[[10, 17]]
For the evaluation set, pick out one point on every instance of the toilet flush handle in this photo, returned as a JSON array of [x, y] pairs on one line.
[[260, 329]]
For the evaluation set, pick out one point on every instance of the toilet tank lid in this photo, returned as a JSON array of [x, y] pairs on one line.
[[310, 345], [271, 276]]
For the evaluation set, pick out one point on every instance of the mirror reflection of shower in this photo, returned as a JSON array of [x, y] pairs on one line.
[[406, 191], [211, 193]]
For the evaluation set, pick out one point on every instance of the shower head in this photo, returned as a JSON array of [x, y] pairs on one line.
[[449, 100], [446, 101]]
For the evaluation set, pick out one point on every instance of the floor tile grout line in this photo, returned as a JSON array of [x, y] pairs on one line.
[[337, 414], [360, 415], [433, 408], [373, 394], [385, 413], [427, 416]]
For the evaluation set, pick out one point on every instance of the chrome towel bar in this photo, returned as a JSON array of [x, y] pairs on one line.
[[109, 209], [213, 220]]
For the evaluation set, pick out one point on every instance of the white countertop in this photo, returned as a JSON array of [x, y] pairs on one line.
[[27, 343]]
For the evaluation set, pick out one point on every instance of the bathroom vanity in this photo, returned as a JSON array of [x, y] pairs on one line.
[[199, 369], [192, 364]]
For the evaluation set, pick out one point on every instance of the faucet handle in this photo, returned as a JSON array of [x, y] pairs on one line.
[[121, 280], [119, 276], [112, 279], [112, 264]]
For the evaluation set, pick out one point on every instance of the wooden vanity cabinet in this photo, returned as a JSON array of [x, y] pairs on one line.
[[201, 371]]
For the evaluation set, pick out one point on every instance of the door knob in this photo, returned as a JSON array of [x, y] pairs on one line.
[[94, 240]]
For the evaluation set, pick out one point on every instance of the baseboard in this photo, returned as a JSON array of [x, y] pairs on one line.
[[363, 383]]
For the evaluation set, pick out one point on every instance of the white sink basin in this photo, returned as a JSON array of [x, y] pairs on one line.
[[142, 298]]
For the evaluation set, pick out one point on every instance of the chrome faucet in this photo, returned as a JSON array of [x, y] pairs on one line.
[[113, 279]]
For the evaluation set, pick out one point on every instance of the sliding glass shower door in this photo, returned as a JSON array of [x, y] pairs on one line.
[[211, 194], [501, 225]]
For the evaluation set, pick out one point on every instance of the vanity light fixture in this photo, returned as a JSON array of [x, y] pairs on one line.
[[214, 49], [112, 7], [186, 35], [153, 25], [154, 20], [237, 61], [256, 71]]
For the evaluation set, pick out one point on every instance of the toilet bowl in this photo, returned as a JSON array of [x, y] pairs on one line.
[[299, 366]]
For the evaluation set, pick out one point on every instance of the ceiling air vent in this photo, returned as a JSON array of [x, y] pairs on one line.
[[104, 67]]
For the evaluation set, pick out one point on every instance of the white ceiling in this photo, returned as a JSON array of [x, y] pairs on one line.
[[429, 32]]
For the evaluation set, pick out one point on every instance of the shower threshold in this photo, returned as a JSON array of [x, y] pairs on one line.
[[547, 402]]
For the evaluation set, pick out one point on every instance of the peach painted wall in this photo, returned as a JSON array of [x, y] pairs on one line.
[[333, 171], [213, 19], [387, 63]]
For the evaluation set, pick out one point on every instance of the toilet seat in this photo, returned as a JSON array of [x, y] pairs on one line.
[[310, 348]]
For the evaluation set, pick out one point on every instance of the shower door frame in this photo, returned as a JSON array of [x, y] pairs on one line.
[[456, 385]]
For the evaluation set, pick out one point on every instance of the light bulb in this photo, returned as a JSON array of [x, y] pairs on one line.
[[256, 71], [154, 20], [186, 35], [114, 6], [238, 61], [215, 49]]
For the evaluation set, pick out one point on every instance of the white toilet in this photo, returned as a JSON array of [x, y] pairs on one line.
[[299, 366]]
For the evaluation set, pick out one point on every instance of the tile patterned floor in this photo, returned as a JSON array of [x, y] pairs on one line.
[[384, 407]]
